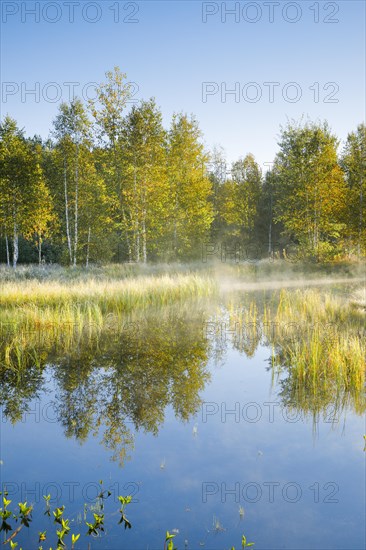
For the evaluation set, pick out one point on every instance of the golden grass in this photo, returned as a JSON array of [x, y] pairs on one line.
[[113, 295], [36, 315], [318, 337]]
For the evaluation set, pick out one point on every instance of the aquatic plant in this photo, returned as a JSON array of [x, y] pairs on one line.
[[24, 517], [169, 544], [317, 342], [217, 526]]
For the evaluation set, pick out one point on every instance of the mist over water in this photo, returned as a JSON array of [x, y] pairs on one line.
[[227, 285]]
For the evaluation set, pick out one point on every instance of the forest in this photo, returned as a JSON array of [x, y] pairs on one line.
[[112, 184]]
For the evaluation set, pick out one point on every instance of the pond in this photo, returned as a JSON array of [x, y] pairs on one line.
[[199, 412]]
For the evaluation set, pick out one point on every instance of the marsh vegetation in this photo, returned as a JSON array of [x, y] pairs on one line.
[[123, 349]]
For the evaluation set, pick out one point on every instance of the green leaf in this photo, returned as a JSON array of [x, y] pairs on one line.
[[6, 502], [74, 538]]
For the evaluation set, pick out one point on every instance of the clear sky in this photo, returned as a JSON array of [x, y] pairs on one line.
[[188, 55]]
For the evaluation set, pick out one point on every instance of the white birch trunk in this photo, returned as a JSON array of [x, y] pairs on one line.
[[15, 246], [88, 249], [144, 246], [39, 249], [7, 251], [67, 214], [76, 205], [360, 224]]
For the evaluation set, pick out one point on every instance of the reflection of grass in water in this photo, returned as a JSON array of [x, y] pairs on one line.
[[319, 338], [34, 315], [217, 526], [330, 349], [30, 334]]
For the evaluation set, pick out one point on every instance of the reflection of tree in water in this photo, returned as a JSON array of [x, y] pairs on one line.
[[121, 377], [133, 378], [17, 389]]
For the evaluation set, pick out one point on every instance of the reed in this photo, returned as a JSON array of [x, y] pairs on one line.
[[37, 315], [107, 295], [317, 337]]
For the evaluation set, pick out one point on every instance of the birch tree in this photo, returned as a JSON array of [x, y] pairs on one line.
[[72, 131], [311, 193], [190, 187], [238, 202], [108, 113], [22, 186], [354, 164], [146, 194]]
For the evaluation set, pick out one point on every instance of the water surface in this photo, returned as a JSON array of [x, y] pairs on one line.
[[200, 425]]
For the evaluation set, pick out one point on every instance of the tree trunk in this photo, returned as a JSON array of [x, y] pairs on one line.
[[136, 221], [144, 247], [7, 251], [67, 214], [88, 249], [316, 222], [127, 237], [76, 204], [15, 246], [143, 206], [270, 226], [175, 230], [360, 223], [39, 249], [119, 189], [137, 246]]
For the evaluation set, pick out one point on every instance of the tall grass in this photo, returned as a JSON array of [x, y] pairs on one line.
[[317, 340], [328, 353], [316, 336], [37, 316], [109, 272], [116, 295]]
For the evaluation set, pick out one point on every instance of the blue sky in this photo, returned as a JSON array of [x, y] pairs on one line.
[[170, 52]]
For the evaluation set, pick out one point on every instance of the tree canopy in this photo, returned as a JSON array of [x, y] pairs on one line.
[[114, 184]]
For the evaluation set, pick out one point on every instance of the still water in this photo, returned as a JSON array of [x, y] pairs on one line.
[[197, 424]]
